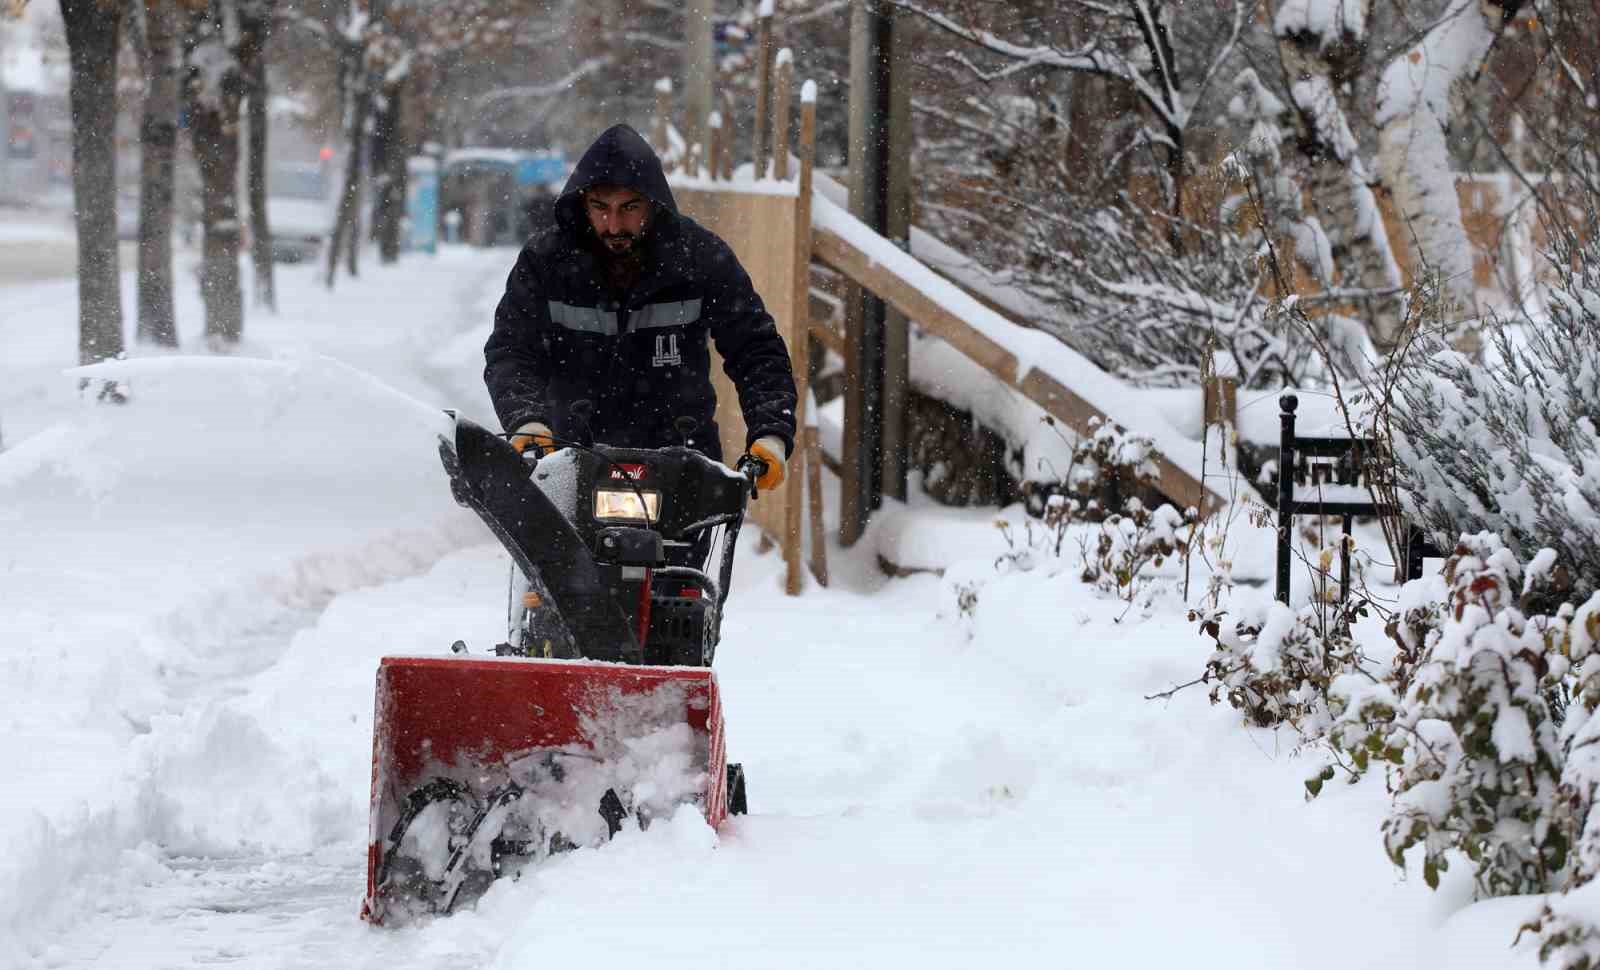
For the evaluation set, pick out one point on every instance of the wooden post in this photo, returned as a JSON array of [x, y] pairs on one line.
[[714, 126], [1221, 401], [864, 335], [810, 453], [897, 227], [763, 87], [729, 142], [780, 115], [819, 531]]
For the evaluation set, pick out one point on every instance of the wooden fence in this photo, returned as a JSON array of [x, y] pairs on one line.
[[767, 220]]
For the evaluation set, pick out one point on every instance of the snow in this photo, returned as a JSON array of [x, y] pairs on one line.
[[1329, 21], [941, 371], [195, 590], [24, 65], [808, 92], [743, 181], [499, 156], [21, 226]]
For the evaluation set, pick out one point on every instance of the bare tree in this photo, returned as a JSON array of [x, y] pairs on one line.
[[390, 148], [358, 39], [155, 36], [255, 18], [93, 29], [1131, 43], [215, 92]]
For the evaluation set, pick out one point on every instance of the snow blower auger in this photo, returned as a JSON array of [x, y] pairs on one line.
[[599, 708]]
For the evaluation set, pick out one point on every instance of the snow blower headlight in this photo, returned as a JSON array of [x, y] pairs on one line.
[[626, 505]]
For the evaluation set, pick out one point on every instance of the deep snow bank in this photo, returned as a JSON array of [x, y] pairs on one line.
[[157, 550]]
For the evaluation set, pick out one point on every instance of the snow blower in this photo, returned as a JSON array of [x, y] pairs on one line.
[[600, 707]]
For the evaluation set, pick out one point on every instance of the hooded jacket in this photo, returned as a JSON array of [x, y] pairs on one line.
[[642, 357]]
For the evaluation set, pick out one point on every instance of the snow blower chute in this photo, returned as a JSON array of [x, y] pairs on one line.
[[600, 707]]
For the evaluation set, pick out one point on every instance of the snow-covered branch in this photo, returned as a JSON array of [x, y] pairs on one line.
[[560, 85]]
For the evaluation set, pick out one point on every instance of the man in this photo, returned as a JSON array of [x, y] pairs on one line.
[[615, 304]]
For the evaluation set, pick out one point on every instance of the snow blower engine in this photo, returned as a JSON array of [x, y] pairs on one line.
[[599, 710]]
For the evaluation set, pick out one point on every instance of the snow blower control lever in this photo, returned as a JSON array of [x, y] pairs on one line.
[[752, 468]]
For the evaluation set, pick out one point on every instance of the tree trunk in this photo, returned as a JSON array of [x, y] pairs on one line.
[[1316, 67], [1420, 92], [214, 131], [253, 21], [158, 144], [389, 165], [347, 228], [93, 30]]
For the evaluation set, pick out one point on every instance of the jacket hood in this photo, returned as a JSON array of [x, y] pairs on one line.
[[620, 156]]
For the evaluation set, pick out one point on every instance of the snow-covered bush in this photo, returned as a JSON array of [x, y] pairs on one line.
[[1115, 556], [1473, 740], [1277, 668], [1110, 468], [1117, 543], [1570, 943], [1510, 445]]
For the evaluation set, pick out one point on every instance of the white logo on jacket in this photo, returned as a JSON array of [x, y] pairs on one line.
[[666, 351]]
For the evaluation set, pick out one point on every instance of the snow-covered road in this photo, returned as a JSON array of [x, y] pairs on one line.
[[195, 591]]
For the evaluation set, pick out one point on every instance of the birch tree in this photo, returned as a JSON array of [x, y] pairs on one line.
[[1420, 97], [1322, 46]]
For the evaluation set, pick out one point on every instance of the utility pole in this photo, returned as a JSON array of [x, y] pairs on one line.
[[876, 338]]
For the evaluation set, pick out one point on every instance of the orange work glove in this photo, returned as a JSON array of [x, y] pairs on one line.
[[533, 434], [770, 450]]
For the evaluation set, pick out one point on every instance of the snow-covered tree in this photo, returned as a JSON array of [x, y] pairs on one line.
[[1510, 445], [1321, 45], [1420, 99]]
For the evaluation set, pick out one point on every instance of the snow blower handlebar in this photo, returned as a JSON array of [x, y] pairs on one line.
[[752, 468]]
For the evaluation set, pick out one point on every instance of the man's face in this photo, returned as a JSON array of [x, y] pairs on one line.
[[618, 216]]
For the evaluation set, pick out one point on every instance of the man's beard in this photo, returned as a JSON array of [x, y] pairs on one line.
[[620, 243]]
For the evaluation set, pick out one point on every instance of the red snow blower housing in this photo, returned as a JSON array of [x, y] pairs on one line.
[[600, 707]]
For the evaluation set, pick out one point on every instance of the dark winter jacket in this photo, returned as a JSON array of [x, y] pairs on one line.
[[641, 357]]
